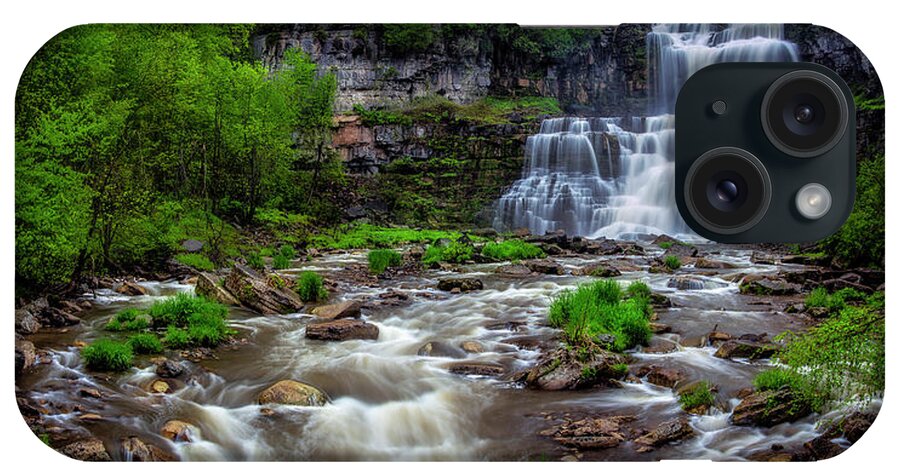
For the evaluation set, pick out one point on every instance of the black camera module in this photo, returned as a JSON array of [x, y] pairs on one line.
[[804, 113], [728, 190]]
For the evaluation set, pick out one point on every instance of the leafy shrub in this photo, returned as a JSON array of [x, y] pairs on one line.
[[145, 343], [860, 240], [672, 262], [774, 379], [817, 298], [455, 252], [596, 309], [380, 260], [666, 245], [408, 38], [106, 354], [206, 330], [287, 251], [638, 289], [699, 395], [619, 369], [255, 261], [281, 262], [834, 302], [196, 261], [177, 309], [176, 338], [512, 250], [311, 287]]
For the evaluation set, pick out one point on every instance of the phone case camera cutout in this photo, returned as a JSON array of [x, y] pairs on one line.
[[449, 242]]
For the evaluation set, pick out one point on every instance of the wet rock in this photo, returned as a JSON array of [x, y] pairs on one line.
[[718, 336], [776, 453], [707, 263], [553, 249], [440, 349], [254, 292], [477, 368], [159, 386], [88, 392], [25, 356], [341, 329], [545, 266], [166, 368], [89, 417], [472, 347], [53, 317], [856, 425], [769, 408], [660, 346], [562, 369], [291, 392], [745, 349], [462, 284], [136, 449], [177, 430], [344, 309], [505, 325], [766, 286], [808, 259], [758, 257], [26, 323], [393, 298], [665, 377], [818, 312], [591, 433], [660, 328], [821, 448], [685, 283], [597, 270], [529, 342], [129, 288], [667, 432], [91, 449], [513, 270], [485, 232], [208, 286]]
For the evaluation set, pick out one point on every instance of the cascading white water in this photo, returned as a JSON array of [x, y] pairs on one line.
[[593, 177]]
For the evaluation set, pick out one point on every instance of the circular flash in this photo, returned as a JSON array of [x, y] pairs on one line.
[[813, 201]]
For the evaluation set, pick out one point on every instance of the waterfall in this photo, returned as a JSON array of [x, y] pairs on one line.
[[612, 177]]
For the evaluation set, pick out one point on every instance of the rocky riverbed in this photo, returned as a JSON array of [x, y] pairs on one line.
[[456, 363]]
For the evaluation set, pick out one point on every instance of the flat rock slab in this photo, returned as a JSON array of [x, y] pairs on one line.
[[341, 329], [477, 368], [338, 311]]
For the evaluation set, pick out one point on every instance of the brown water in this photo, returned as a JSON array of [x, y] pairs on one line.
[[388, 403]]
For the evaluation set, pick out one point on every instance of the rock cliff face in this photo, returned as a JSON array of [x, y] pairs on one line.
[[604, 71]]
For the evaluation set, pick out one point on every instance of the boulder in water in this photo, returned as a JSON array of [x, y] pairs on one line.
[[564, 369], [665, 377], [686, 283], [136, 449], [208, 286], [667, 432], [545, 266], [256, 293], [513, 270], [341, 329], [769, 408], [177, 430], [91, 449], [131, 289], [25, 356], [597, 270], [712, 264], [26, 323], [292, 392], [344, 309], [440, 349], [745, 349], [462, 284], [591, 433], [166, 368], [472, 347], [766, 286], [477, 368]]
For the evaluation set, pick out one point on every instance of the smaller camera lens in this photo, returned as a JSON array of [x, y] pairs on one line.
[[804, 114], [727, 191]]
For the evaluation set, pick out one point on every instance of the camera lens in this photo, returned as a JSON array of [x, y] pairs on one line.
[[727, 190], [804, 113]]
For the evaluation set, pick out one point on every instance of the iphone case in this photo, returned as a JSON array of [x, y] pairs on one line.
[[420, 242]]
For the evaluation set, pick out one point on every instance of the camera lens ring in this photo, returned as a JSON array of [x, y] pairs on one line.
[[774, 132], [752, 170]]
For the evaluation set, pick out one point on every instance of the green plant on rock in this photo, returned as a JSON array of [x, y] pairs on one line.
[[363, 235], [620, 370], [672, 262], [145, 343], [380, 260], [311, 287], [511, 250], [255, 261], [281, 262], [454, 252], [176, 338], [836, 301], [177, 309], [107, 355], [127, 320], [697, 396], [595, 313]]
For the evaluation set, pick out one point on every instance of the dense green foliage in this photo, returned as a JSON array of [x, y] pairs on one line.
[[434, 108], [117, 126], [596, 312], [177, 310], [371, 236], [835, 302], [454, 252], [195, 260], [107, 355], [282, 259], [176, 338], [406, 38], [311, 287], [382, 259], [840, 360], [511, 250], [697, 396], [860, 241], [145, 343]]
